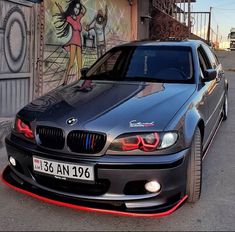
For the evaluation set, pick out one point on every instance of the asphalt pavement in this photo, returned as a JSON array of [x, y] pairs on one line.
[[214, 212]]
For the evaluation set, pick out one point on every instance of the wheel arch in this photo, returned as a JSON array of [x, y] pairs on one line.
[[193, 121], [201, 126]]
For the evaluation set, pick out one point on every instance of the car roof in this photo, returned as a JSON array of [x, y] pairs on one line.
[[176, 43]]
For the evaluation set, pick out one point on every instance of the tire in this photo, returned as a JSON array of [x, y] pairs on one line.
[[225, 108], [194, 172]]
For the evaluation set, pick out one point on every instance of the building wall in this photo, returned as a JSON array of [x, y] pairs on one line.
[[86, 40], [143, 19], [17, 54]]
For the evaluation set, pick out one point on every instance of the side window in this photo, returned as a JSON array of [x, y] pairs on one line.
[[217, 60], [109, 62], [211, 56], [204, 62]]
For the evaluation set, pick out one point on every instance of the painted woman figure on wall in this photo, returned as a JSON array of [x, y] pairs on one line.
[[71, 18]]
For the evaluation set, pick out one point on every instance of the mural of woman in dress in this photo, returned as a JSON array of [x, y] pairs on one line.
[[70, 19]]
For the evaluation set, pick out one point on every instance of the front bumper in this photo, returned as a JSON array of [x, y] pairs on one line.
[[119, 187]]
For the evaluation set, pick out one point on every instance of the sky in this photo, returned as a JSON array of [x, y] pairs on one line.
[[223, 14]]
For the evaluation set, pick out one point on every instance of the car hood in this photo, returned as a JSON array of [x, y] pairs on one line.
[[110, 107]]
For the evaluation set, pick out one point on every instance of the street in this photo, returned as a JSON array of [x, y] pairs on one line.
[[214, 212]]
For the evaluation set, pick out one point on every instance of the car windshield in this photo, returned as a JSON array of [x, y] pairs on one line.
[[145, 63]]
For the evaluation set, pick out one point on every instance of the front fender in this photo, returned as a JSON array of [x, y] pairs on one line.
[[193, 119], [186, 124]]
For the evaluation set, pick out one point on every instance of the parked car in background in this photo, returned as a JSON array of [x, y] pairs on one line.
[[127, 139]]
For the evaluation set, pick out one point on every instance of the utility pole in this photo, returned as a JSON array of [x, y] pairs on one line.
[[189, 18], [217, 36], [209, 27]]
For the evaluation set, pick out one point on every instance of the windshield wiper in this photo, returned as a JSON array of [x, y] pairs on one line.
[[142, 78], [154, 80], [104, 77]]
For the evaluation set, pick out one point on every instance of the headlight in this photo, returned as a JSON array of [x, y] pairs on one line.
[[168, 140], [23, 128], [147, 142]]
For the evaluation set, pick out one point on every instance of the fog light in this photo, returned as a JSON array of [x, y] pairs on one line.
[[12, 161], [153, 187]]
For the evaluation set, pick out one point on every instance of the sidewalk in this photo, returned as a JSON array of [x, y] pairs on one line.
[[5, 128]]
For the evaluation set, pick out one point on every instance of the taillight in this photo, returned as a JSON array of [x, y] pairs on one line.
[[24, 129], [145, 142]]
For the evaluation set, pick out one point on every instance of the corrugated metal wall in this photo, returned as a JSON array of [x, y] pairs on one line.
[[17, 55], [14, 94]]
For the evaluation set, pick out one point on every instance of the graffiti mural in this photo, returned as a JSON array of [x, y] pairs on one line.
[[71, 19], [78, 32], [15, 27], [98, 24]]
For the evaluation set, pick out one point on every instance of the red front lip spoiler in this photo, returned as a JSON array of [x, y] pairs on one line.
[[103, 211]]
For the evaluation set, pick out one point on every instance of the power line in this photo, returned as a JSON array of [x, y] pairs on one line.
[[227, 4], [228, 17], [214, 18], [218, 8]]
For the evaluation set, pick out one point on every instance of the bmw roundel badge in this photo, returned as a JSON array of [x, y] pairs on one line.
[[72, 121]]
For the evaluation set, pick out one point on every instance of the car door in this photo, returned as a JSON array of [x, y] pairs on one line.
[[203, 107], [215, 89]]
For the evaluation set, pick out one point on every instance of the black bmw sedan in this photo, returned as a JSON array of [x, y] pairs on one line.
[[129, 137]]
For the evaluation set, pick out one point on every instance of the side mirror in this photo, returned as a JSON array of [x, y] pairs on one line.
[[84, 71], [210, 75]]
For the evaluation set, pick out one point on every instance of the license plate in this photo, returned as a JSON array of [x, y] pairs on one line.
[[63, 171]]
